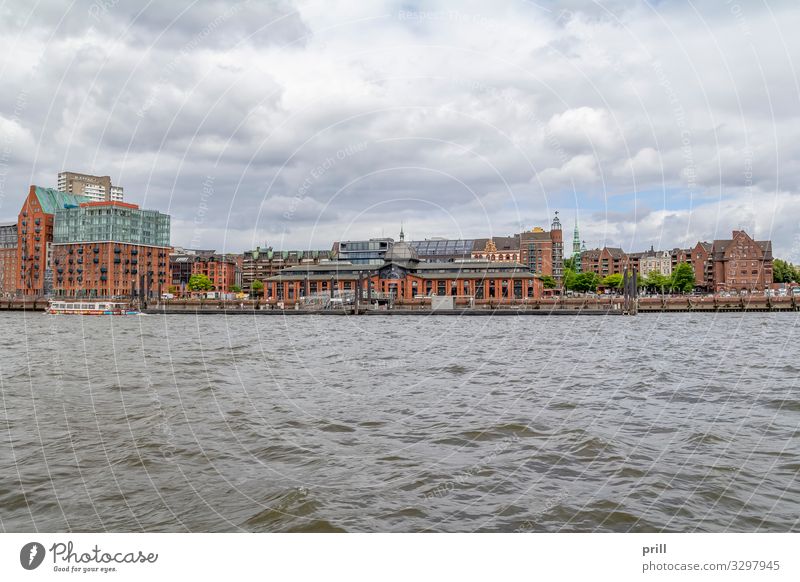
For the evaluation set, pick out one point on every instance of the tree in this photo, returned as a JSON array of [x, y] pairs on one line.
[[569, 279], [569, 264], [548, 282], [586, 282], [657, 282], [256, 287], [235, 289], [200, 282], [784, 272], [683, 278], [612, 281]]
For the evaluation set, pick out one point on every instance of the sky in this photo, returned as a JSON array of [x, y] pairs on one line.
[[295, 124]]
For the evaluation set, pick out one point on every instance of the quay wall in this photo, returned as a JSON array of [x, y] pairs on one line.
[[582, 305]]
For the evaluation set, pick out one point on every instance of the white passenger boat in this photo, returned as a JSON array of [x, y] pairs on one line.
[[76, 307]]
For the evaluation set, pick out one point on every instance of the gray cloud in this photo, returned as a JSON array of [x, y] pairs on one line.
[[656, 123]]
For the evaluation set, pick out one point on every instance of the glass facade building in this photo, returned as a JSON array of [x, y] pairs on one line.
[[117, 222], [364, 252]]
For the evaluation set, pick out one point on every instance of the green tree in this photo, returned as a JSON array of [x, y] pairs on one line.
[[235, 289], [784, 272], [200, 282], [569, 264], [548, 282], [586, 282], [569, 279], [256, 287], [683, 278], [657, 282], [612, 281]]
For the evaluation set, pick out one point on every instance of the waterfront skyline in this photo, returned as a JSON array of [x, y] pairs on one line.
[[620, 113]]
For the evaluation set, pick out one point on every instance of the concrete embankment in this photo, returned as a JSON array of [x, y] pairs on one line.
[[565, 306]]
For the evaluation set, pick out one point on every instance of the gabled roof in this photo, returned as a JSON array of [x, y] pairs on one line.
[[615, 252], [503, 243], [51, 199]]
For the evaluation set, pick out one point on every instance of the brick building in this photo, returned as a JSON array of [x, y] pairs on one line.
[[8, 259], [406, 278], [542, 251], [741, 263], [110, 249], [604, 262], [700, 258], [181, 262], [35, 237], [261, 264], [222, 270], [503, 249]]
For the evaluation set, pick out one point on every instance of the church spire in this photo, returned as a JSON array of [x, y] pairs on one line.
[[402, 234]]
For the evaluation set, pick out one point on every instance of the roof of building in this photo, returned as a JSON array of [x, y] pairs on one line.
[[51, 199], [443, 247], [615, 252], [720, 246], [437, 270], [503, 243], [401, 252]]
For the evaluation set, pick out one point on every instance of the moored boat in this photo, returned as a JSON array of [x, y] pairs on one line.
[[75, 307]]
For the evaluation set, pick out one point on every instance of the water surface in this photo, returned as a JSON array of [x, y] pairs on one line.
[[670, 422]]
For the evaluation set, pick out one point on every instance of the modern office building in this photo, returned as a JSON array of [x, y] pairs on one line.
[[362, 252], [8, 258], [96, 188], [110, 249]]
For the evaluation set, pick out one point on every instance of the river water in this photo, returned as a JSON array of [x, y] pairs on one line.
[[669, 422]]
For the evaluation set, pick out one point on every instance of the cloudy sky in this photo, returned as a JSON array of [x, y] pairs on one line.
[[298, 123]]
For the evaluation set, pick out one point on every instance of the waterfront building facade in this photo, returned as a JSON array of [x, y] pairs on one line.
[[503, 249], [407, 280], [181, 263], [701, 259], [604, 262], [220, 269], [261, 264], [96, 188], [542, 251], [652, 260], [741, 263], [35, 237], [110, 249], [8, 259]]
